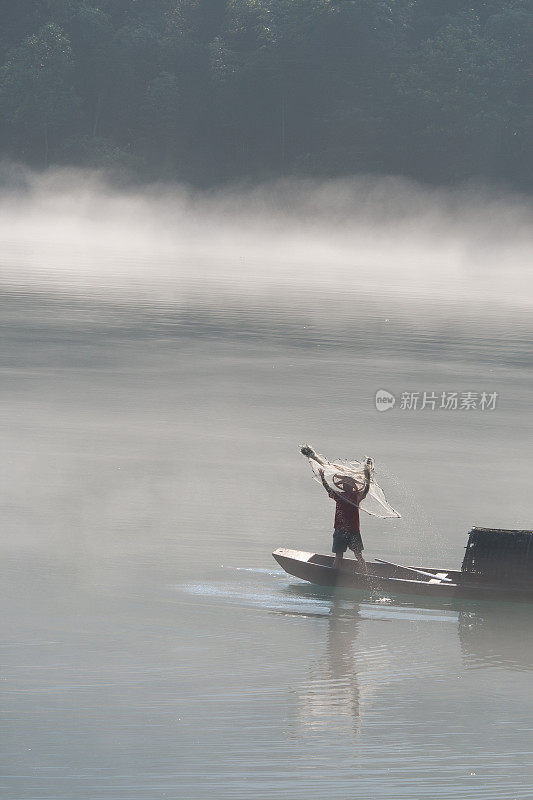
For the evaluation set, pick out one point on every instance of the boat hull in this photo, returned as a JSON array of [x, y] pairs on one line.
[[391, 579]]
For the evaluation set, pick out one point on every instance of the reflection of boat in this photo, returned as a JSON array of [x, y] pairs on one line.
[[497, 635], [475, 580]]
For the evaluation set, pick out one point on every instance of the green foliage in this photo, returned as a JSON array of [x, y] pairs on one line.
[[37, 98], [160, 122], [209, 90]]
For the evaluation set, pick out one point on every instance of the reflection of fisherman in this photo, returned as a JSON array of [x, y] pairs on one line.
[[346, 532], [330, 698]]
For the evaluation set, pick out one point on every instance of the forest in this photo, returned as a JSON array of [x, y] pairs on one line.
[[210, 91]]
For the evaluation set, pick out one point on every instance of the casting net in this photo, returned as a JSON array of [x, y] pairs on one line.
[[375, 503]]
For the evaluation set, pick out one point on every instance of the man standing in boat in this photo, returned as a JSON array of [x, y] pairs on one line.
[[347, 533]]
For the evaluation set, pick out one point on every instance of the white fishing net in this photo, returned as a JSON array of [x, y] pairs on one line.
[[374, 503]]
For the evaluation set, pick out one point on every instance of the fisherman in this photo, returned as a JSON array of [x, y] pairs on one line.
[[347, 533]]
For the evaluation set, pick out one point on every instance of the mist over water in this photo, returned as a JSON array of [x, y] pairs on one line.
[[375, 237], [165, 351]]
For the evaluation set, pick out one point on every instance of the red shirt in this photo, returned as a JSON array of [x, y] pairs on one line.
[[347, 514]]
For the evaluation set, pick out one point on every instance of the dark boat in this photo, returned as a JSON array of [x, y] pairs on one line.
[[497, 565]]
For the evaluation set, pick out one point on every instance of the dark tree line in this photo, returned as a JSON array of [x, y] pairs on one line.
[[209, 90]]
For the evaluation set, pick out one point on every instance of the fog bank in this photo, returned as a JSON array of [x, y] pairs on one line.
[[74, 232]]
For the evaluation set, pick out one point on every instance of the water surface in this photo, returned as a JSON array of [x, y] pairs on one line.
[[153, 399]]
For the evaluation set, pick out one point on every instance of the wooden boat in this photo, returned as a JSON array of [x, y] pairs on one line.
[[318, 568], [384, 576]]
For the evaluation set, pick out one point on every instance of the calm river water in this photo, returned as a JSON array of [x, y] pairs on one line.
[[151, 647]]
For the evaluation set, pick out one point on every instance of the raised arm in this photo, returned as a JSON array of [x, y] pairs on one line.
[[326, 487], [368, 468], [308, 452]]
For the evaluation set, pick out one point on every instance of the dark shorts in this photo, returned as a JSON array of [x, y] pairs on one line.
[[344, 539]]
